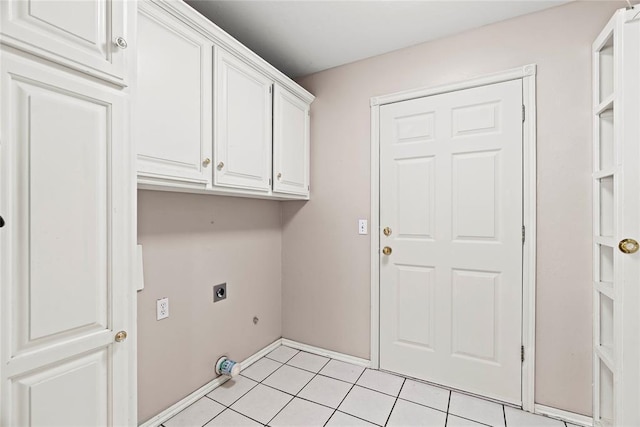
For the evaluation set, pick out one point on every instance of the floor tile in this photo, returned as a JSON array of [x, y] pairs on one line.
[[340, 419], [302, 413], [232, 390], [476, 409], [453, 421], [308, 361], [518, 418], [261, 369], [368, 405], [381, 381], [196, 415], [282, 354], [425, 394], [229, 418], [411, 414], [342, 371], [262, 403], [326, 391], [289, 379]]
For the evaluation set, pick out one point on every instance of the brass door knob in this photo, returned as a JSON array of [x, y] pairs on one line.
[[206, 162], [387, 231], [386, 250], [121, 336], [220, 165], [628, 246]]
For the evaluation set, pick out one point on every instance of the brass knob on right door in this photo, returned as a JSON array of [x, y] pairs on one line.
[[628, 246], [386, 250]]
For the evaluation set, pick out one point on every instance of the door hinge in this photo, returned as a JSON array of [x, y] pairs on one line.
[[523, 113], [523, 234], [522, 353]]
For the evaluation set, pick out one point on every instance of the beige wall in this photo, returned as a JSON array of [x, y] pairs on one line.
[[326, 263], [192, 242]]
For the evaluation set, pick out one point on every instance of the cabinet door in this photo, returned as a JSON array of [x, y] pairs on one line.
[[290, 143], [66, 194], [173, 108], [90, 35], [242, 125]]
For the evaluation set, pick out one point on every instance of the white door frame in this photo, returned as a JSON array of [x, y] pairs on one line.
[[528, 75]]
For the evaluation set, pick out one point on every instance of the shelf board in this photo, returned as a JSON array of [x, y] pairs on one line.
[[605, 105], [606, 355]]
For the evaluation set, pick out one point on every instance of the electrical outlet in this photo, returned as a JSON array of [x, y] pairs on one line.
[[362, 226], [162, 308]]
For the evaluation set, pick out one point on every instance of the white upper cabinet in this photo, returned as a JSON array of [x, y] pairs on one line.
[[242, 123], [173, 108], [290, 143], [90, 36]]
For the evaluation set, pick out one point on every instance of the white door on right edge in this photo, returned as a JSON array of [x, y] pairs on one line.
[[451, 197]]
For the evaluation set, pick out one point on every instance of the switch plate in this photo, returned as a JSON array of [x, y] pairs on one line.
[[162, 308], [362, 226]]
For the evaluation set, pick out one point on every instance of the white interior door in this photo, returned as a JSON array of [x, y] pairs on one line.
[[451, 198], [616, 225], [66, 194]]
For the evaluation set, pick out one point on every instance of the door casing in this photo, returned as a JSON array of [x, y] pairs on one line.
[[527, 74]]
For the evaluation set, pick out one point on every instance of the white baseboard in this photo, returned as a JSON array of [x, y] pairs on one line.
[[207, 388], [327, 353], [570, 417]]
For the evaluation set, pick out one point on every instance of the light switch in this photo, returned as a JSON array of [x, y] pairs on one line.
[[362, 226]]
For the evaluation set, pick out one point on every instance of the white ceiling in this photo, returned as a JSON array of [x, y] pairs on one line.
[[305, 36]]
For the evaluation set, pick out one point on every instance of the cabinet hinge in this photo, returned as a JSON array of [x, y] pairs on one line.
[[269, 181], [522, 353], [523, 234], [523, 113]]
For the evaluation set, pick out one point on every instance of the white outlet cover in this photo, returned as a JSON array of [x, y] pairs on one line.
[[162, 308], [362, 226]]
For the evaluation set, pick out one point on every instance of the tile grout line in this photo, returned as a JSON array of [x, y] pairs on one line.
[[295, 395], [446, 418], [394, 402], [345, 396]]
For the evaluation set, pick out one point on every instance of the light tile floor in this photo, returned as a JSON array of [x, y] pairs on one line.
[[297, 389]]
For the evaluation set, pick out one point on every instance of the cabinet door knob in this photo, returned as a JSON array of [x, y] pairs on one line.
[[386, 250], [220, 165], [206, 162], [628, 246], [279, 175], [121, 42], [121, 336]]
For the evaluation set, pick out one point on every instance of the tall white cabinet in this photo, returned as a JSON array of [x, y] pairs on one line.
[[616, 227], [67, 199], [214, 118]]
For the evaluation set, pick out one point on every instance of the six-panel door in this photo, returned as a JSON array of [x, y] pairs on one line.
[[451, 195], [66, 248], [173, 99], [242, 124], [290, 143], [90, 36]]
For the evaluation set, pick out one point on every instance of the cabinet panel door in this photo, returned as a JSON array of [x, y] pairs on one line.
[[173, 109], [66, 194], [79, 34], [290, 143], [242, 125]]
